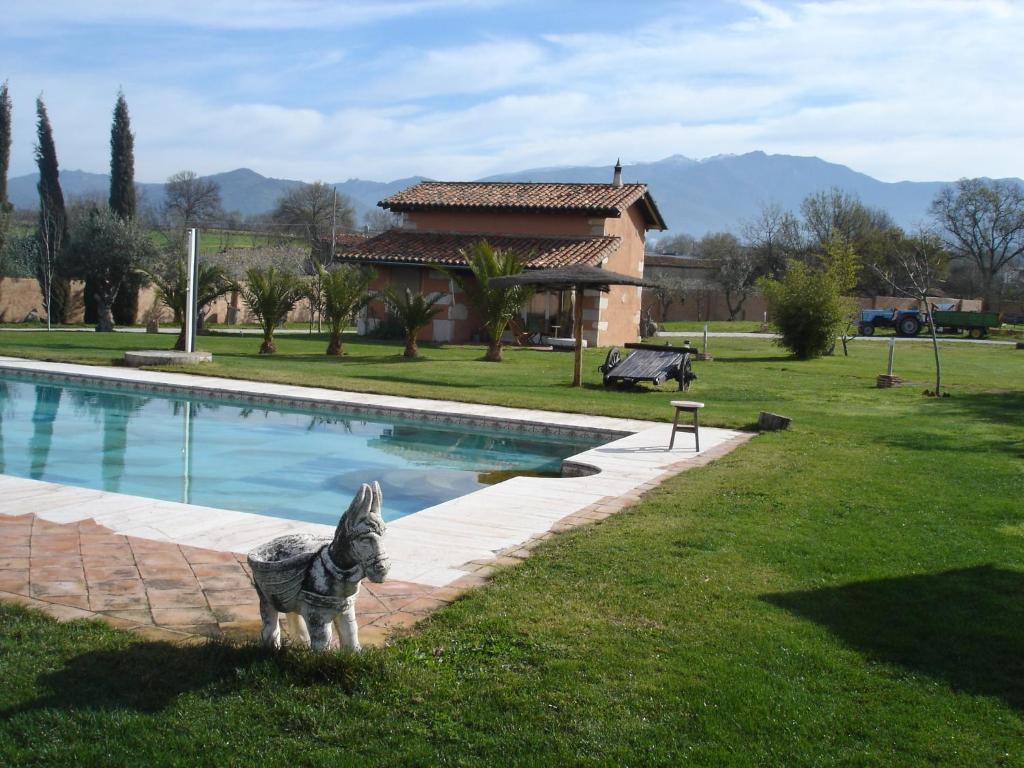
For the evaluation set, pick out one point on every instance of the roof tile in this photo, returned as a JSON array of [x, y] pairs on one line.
[[407, 247], [596, 198]]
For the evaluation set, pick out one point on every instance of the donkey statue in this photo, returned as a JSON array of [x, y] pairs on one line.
[[314, 580]]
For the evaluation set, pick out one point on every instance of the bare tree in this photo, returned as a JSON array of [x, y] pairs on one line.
[[314, 211], [377, 220], [982, 223], [667, 290], [835, 213], [47, 258], [774, 237], [735, 268], [190, 200], [917, 266], [676, 245]]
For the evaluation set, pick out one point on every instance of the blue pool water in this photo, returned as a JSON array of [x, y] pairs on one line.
[[287, 462]]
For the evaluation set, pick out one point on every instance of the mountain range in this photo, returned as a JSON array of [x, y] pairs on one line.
[[695, 196]]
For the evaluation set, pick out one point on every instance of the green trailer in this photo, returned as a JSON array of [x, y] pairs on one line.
[[975, 324]]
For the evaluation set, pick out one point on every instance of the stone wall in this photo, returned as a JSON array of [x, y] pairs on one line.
[[21, 295]]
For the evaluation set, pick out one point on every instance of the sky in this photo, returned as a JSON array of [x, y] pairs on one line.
[[919, 90]]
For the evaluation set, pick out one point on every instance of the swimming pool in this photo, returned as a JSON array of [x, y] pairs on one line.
[[291, 462]]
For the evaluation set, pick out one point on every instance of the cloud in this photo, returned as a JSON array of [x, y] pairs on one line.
[[914, 89], [26, 16]]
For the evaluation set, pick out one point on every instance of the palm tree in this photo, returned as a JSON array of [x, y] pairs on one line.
[[341, 293], [497, 306], [414, 313], [172, 290], [270, 295]]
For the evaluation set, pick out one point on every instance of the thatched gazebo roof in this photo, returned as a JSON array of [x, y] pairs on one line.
[[568, 278]]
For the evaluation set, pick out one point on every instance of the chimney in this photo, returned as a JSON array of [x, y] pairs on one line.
[[617, 177]]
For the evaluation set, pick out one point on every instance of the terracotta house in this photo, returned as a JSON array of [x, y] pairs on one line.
[[547, 224]]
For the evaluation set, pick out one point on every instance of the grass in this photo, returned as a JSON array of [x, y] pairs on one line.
[[714, 326], [844, 593]]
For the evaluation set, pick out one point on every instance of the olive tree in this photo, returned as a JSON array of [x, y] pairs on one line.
[[104, 250]]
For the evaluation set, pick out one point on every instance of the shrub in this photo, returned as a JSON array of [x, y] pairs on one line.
[[808, 305]]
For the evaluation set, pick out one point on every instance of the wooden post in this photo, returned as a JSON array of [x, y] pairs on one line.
[[577, 374], [892, 353]]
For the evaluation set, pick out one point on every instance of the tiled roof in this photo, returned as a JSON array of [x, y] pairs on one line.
[[350, 238], [406, 247], [599, 199]]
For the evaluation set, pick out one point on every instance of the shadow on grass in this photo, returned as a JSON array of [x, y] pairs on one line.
[[964, 626], [758, 359], [999, 407], [148, 677]]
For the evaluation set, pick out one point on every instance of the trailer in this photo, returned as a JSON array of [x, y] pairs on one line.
[[975, 324]]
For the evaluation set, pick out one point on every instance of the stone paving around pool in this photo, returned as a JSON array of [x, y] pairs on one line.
[[165, 591], [176, 571]]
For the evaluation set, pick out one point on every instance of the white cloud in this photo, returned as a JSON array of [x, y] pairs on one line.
[[913, 89], [28, 15]]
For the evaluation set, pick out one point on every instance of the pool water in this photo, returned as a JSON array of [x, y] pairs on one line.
[[296, 463]]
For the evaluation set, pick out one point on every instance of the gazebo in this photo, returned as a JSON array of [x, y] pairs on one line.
[[578, 279]]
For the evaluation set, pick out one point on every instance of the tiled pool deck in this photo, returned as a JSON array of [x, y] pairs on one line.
[[177, 571]]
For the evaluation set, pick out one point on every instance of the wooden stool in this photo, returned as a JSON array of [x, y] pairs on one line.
[[689, 406]]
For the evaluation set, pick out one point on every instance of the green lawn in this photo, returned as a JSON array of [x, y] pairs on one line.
[[848, 592], [714, 326]]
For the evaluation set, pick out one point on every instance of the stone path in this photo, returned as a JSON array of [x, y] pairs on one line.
[[162, 590]]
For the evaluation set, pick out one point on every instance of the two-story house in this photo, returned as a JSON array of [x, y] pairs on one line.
[[547, 224]]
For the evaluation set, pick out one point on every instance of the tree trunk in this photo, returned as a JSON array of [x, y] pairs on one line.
[[104, 309], [104, 317], [411, 350], [334, 347], [268, 348], [493, 352], [935, 347], [179, 345]]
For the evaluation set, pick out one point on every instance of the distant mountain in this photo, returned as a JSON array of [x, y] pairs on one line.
[[695, 196], [242, 190], [718, 193]]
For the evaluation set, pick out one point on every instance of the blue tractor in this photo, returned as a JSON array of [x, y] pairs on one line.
[[907, 322]]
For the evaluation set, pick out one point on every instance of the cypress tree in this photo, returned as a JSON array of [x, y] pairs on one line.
[[5, 159], [5, 143], [122, 162], [53, 220], [122, 203]]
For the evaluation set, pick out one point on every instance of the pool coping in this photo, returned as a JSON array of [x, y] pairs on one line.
[[438, 546]]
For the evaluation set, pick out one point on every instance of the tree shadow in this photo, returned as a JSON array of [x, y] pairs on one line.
[[999, 407], [963, 626], [148, 677], [757, 359], [1002, 408]]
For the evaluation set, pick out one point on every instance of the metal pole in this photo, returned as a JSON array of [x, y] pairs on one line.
[[705, 338], [892, 352], [190, 300], [577, 372]]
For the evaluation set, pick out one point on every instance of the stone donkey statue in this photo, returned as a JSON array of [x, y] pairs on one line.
[[315, 580]]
